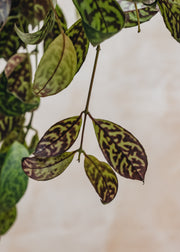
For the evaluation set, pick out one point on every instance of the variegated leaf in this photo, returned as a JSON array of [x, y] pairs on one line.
[[4, 10], [46, 168], [102, 177], [170, 10], [145, 12], [56, 68], [37, 37], [121, 149], [7, 219], [80, 41], [101, 18], [59, 138]]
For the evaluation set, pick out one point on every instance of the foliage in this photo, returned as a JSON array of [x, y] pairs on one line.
[[65, 50]]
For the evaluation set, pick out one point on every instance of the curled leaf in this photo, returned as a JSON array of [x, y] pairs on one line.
[[121, 149], [7, 219], [59, 138], [56, 68], [102, 177], [4, 10], [46, 168]]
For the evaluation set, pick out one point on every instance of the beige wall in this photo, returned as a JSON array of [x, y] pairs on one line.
[[137, 86]]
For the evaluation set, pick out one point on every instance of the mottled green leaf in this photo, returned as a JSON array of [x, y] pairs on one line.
[[80, 41], [121, 149], [101, 18], [102, 177], [55, 31], [170, 10], [56, 68], [59, 138], [145, 12], [7, 219], [37, 37], [13, 181], [10, 105], [4, 10], [46, 168]]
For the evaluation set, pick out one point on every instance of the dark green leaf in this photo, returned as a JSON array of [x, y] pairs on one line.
[[121, 149], [56, 68], [59, 138], [80, 41], [102, 177], [4, 10], [47, 168], [101, 18], [7, 219], [13, 181]]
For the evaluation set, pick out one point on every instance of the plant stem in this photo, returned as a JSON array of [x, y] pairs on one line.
[[138, 19], [88, 99]]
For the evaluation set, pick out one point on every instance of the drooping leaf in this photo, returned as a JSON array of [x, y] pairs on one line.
[[55, 31], [146, 12], [13, 181], [121, 149], [59, 138], [10, 105], [80, 41], [101, 18], [46, 168], [170, 10], [56, 68], [102, 177], [4, 10], [7, 219], [37, 37]]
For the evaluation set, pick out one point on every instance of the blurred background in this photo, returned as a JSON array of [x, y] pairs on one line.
[[136, 86]]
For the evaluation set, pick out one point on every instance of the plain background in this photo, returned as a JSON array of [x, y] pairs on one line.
[[136, 86]]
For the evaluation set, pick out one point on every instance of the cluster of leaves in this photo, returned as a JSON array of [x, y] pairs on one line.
[[65, 50]]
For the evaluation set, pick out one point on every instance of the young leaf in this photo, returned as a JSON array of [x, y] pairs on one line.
[[59, 138], [170, 10], [37, 37], [56, 68], [80, 41], [13, 181], [102, 178], [7, 219], [146, 12], [101, 18], [4, 10], [46, 168], [121, 149]]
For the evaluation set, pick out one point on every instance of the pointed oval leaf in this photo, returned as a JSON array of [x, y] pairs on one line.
[[59, 138], [170, 11], [37, 37], [7, 219], [56, 68], [145, 12], [102, 177], [5, 7], [42, 169], [101, 19], [13, 181], [121, 149], [80, 41]]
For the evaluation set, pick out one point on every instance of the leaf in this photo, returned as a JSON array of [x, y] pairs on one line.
[[80, 41], [146, 12], [37, 37], [101, 18], [11, 105], [121, 149], [59, 138], [4, 10], [102, 178], [56, 68], [55, 31], [13, 181], [7, 219], [46, 168], [170, 11]]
